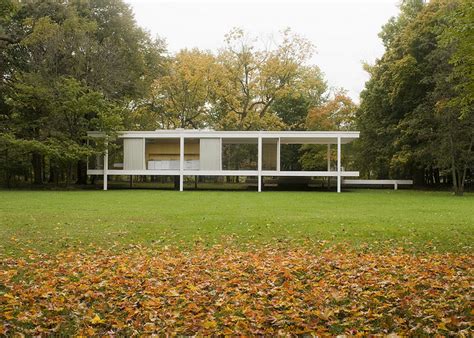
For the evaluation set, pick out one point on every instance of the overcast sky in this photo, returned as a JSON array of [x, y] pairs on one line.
[[344, 32]]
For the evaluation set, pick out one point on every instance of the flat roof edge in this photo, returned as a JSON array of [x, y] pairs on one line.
[[230, 133]]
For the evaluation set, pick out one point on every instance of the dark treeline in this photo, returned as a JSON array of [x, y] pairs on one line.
[[66, 67], [71, 66], [416, 112]]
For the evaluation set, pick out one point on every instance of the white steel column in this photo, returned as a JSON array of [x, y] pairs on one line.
[[181, 163], [220, 153], [278, 155], [144, 154], [106, 164], [338, 164], [259, 164]]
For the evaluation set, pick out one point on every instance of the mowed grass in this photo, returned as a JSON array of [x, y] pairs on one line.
[[50, 221]]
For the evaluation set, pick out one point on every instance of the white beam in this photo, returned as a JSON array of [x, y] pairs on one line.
[[181, 163], [378, 182], [315, 137], [112, 172], [338, 164], [259, 164], [309, 173]]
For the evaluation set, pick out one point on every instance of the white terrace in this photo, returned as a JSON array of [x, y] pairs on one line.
[[199, 153]]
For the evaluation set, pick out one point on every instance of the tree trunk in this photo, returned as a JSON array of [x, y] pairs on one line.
[[462, 180], [36, 161], [7, 170], [419, 177], [81, 172], [68, 174], [43, 163], [53, 173], [436, 176]]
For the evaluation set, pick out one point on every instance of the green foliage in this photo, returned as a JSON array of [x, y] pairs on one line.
[[68, 67], [292, 110], [458, 36], [414, 114]]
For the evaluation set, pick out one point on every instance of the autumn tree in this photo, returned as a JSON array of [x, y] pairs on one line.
[[251, 79], [337, 113], [181, 97]]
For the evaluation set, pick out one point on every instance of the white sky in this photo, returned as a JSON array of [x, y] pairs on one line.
[[344, 32]]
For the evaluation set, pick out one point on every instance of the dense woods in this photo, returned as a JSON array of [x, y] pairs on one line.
[[416, 112], [71, 66]]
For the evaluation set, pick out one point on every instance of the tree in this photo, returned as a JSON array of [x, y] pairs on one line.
[[337, 113], [182, 96], [89, 52], [411, 118], [455, 93], [50, 120], [252, 79]]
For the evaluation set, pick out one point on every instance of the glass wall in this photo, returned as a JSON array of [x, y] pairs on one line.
[[239, 155]]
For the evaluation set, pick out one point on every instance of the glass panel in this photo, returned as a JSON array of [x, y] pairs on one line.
[[162, 154], [95, 161], [239, 156], [116, 154]]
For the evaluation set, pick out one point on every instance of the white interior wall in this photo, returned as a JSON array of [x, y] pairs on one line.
[[134, 154], [210, 154]]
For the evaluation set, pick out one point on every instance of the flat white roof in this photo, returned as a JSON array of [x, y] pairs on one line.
[[288, 137]]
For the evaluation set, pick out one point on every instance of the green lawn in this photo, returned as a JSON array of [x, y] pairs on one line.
[[53, 220]]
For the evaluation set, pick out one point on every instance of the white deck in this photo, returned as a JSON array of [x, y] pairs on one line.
[[395, 183]]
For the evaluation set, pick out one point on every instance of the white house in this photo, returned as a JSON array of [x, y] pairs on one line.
[[199, 153]]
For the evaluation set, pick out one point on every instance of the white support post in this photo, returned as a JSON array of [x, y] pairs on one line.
[[278, 155], [259, 164], [181, 163], [106, 164], [338, 164], [220, 153], [144, 154], [395, 186]]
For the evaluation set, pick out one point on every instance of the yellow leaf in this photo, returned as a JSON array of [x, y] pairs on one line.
[[149, 327], [8, 315], [90, 331], [209, 324], [442, 326], [97, 320]]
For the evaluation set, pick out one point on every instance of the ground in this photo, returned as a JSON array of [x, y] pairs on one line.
[[236, 262], [54, 220]]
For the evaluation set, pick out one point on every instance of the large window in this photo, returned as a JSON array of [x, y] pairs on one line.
[[240, 155]]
